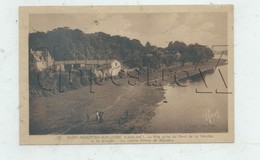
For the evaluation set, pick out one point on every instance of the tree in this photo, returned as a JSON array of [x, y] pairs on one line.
[[199, 53], [177, 47]]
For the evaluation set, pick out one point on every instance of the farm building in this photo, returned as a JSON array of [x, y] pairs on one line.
[[113, 67], [40, 60]]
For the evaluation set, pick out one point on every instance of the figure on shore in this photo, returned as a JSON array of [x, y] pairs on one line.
[[87, 116], [99, 116]]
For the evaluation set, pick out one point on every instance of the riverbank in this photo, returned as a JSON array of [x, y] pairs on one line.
[[127, 108]]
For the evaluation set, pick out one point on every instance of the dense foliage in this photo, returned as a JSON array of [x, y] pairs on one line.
[[65, 43]]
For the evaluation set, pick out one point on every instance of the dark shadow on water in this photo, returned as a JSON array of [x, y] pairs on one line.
[[196, 78]]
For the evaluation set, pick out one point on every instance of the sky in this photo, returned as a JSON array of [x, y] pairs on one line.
[[157, 28]]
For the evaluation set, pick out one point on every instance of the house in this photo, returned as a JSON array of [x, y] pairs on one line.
[[112, 67], [103, 71], [40, 59], [115, 68]]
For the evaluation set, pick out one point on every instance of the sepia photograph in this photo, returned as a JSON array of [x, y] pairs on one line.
[[139, 74]]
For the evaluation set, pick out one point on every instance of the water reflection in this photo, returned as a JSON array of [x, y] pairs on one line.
[[185, 111]]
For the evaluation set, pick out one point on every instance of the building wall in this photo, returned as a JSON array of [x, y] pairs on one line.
[[40, 65], [60, 67], [49, 60], [115, 68]]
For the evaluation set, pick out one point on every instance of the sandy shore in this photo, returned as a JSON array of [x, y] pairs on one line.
[[67, 112], [127, 108]]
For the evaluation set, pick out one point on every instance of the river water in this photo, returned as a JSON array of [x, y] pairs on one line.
[[185, 111]]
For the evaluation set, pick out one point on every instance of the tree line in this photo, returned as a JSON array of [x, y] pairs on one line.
[[67, 44]]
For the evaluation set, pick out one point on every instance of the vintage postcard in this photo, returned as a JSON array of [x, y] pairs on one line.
[[126, 74]]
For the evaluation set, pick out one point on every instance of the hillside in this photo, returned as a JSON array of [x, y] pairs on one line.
[[68, 44]]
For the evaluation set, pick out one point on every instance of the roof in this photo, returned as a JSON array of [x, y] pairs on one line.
[[40, 55], [87, 62]]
